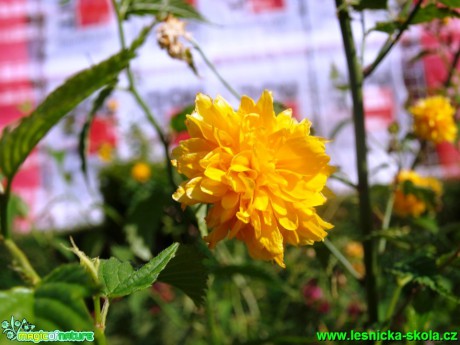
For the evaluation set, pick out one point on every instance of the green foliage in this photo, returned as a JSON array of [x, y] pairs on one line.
[[432, 11], [451, 3], [178, 120], [371, 5], [16, 143], [187, 272], [388, 27], [161, 8], [422, 269], [120, 278], [56, 304], [83, 137]]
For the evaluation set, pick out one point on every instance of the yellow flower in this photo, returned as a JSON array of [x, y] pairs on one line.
[[105, 152], [263, 174], [410, 204], [141, 172], [434, 119], [354, 250]]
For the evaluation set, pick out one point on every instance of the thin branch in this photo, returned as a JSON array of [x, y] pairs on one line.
[[452, 68], [342, 259], [390, 42], [140, 101], [213, 68], [365, 211]]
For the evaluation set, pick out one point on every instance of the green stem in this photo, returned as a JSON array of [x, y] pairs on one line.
[[213, 68], [387, 218], [99, 318], [342, 259], [140, 101], [390, 42], [4, 204], [356, 86], [97, 310], [22, 261]]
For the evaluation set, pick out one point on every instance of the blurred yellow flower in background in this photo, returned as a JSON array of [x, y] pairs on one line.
[[263, 174], [410, 204], [141, 172], [105, 152], [434, 119], [354, 250]]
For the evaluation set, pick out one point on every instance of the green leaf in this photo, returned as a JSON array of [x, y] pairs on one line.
[[426, 223], [161, 8], [144, 215], [178, 120], [188, 273], [422, 269], [56, 304], [83, 137], [371, 5], [16, 143], [451, 3], [431, 12], [387, 27], [120, 279], [62, 293]]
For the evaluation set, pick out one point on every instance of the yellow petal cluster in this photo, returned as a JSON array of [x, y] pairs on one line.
[[409, 204], [141, 172], [263, 175], [434, 119]]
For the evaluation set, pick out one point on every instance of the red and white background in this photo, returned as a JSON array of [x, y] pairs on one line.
[[287, 46]]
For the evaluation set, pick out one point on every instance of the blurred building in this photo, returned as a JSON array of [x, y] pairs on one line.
[[291, 47]]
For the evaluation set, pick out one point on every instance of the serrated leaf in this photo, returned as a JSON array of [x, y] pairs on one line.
[[422, 269], [17, 143], [188, 273], [161, 8], [416, 266], [120, 279], [56, 304], [83, 137], [371, 5]]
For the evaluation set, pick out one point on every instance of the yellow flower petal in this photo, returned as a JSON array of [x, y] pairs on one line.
[[262, 174]]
